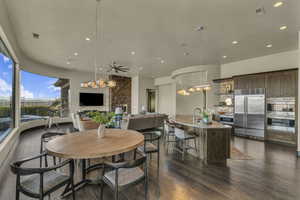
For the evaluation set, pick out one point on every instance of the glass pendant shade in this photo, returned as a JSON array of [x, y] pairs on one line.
[[111, 84]]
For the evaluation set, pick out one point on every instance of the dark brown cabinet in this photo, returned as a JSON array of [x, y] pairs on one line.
[[240, 83], [249, 82], [282, 84], [273, 84], [257, 81], [288, 83], [277, 84]]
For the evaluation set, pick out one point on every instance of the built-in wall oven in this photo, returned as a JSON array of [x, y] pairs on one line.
[[227, 119], [281, 115]]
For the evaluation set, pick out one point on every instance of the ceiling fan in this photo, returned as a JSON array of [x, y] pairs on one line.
[[114, 67]]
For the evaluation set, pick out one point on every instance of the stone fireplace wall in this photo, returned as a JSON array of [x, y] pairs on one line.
[[121, 94]]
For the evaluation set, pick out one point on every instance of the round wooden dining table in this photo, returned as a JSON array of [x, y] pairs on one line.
[[87, 145]]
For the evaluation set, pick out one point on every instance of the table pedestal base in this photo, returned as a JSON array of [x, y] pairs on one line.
[[84, 170]]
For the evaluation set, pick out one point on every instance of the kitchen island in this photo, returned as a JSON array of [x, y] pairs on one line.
[[213, 139]]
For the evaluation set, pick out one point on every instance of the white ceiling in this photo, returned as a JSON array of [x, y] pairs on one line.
[[154, 29]]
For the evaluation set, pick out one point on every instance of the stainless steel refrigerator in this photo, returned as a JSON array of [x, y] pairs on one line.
[[249, 113]]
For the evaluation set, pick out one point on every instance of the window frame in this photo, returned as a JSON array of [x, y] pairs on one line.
[[13, 97]]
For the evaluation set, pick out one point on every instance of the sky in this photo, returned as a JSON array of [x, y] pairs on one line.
[[33, 86]]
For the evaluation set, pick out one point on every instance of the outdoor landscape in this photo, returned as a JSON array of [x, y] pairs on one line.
[[39, 96]]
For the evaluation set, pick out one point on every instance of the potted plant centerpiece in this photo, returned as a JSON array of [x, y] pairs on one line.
[[103, 119], [207, 117]]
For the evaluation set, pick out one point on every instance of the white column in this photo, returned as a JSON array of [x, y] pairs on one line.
[[174, 96], [17, 96], [135, 95], [298, 145]]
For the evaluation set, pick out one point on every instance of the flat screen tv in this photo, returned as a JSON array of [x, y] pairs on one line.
[[91, 99]]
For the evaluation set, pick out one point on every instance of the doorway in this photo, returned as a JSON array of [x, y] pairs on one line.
[[151, 100]]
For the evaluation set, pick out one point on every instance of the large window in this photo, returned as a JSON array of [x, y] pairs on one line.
[[42, 96], [7, 66]]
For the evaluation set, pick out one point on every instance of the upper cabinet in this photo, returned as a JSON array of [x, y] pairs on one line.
[[288, 84], [282, 84], [257, 81], [240, 83], [277, 84], [249, 81], [273, 86]]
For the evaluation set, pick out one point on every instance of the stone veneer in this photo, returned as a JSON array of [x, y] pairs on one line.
[[121, 94]]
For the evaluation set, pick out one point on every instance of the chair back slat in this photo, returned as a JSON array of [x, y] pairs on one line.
[[134, 163]]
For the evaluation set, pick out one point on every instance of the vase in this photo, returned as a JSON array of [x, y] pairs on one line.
[[101, 130]]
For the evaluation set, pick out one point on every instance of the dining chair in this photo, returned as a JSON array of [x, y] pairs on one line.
[[50, 120], [151, 145], [46, 137], [182, 141], [74, 121], [124, 175], [79, 123], [41, 182]]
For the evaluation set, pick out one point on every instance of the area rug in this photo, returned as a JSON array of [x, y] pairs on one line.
[[238, 155]]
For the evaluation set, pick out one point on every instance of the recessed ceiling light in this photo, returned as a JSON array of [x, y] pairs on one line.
[[278, 4], [200, 28], [162, 61], [133, 53], [224, 57], [283, 28], [35, 35], [68, 62], [235, 42], [260, 11], [269, 45], [87, 39], [75, 54], [183, 44]]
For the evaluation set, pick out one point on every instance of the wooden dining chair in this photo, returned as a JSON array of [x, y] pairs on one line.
[[46, 137], [75, 122], [151, 146], [41, 182], [124, 175]]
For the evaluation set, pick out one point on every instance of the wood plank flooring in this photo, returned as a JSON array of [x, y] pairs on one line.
[[273, 174]]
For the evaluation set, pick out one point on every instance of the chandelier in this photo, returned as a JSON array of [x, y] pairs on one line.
[[98, 82], [198, 88], [204, 86]]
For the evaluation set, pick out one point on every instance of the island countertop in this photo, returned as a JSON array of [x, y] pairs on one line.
[[213, 140], [187, 120]]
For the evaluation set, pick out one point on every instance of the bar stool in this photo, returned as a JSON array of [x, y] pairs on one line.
[[182, 141], [169, 136]]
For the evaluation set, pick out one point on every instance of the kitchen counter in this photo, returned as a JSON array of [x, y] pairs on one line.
[[213, 140], [187, 120]]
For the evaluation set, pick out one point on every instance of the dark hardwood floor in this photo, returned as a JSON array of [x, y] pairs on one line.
[[273, 174]]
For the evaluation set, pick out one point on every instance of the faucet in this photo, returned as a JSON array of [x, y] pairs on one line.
[[194, 114]]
